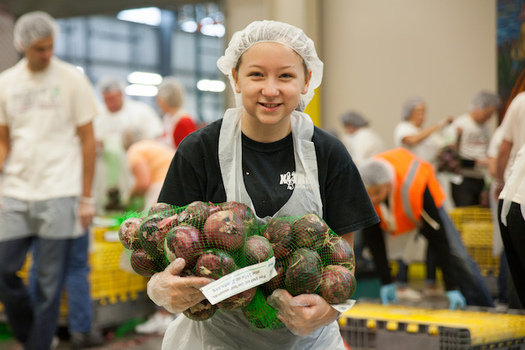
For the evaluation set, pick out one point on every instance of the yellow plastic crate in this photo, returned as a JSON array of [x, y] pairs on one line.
[[110, 284], [365, 324], [476, 229]]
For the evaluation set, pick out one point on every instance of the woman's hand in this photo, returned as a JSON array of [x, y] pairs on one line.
[[304, 313], [173, 292], [445, 122]]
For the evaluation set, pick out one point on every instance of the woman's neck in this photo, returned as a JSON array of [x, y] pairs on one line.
[[265, 133]]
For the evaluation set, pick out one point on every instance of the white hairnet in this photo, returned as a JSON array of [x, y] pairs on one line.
[[375, 172], [409, 106], [272, 31], [171, 91], [32, 27], [485, 99], [354, 119], [111, 83]]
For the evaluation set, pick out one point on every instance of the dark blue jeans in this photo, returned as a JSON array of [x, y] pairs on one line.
[[402, 274], [33, 323], [79, 304]]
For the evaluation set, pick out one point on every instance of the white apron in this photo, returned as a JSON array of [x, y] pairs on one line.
[[231, 330]]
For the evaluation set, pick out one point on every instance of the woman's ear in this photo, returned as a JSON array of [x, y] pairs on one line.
[[235, 80], [307, 82]]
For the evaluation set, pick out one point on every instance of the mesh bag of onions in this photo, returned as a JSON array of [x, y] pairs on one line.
[[218, 239]]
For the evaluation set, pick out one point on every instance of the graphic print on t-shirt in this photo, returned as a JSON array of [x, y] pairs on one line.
[[288, 179]]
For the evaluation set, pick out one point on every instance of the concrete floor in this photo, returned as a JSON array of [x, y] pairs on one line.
[[131, 341]]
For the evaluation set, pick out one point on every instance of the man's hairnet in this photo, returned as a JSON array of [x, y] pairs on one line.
[[409, 106], [485, 99], [111, 83], [272, 31], [171, 91], [375, 172], [354, 119], [32, 27]]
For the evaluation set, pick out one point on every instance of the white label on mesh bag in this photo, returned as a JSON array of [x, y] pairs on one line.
[[345, 306], [239, 281]]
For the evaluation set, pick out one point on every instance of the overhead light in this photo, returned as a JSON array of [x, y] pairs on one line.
[[141, 90], [145, 78], [81, 69], [147, 15], [189, 26], [211, 85], [217, 30]]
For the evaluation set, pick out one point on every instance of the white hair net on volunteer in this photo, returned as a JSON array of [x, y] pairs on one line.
[[111, 83], [410, 105], [272, 31], [375, 172], [33, 26]]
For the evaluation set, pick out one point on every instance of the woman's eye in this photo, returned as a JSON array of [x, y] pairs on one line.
[[286, 76], [255, 74]]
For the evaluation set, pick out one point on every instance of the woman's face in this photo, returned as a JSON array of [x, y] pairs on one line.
[[417, 117], [270, 78]]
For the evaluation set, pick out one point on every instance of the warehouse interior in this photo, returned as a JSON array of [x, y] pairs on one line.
[[376, 55]]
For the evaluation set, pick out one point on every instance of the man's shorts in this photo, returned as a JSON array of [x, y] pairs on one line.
[[51, 219]]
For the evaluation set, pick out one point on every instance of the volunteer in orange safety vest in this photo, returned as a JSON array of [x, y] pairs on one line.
[[407, 195]]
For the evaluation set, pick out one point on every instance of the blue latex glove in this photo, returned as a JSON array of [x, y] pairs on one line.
[[456, 299], [388, 293]]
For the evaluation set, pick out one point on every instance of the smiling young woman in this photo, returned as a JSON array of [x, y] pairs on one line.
[[267, 154]]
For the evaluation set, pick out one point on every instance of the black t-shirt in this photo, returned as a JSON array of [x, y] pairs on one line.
[[269, 166], [195, 174]]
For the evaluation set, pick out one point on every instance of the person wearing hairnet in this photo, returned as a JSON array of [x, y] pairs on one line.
[[149, 161], [177, 122], [360, 140], [407, 196], [273, 69], [410, 134], [362, 143], [425, 143], [473, 133], [112, 175], [47, 154], [120, 112]]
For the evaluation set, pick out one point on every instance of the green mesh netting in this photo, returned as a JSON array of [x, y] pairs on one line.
[[217, 239]]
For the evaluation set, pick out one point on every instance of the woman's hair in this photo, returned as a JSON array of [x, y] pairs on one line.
[[278, 32], [409, 106]]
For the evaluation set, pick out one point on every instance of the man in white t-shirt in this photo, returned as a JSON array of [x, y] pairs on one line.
[[473, 134], [113, 177], [47, 154]]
